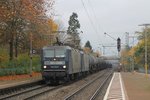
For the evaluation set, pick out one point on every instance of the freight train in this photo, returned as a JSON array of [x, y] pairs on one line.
[[63, 63]]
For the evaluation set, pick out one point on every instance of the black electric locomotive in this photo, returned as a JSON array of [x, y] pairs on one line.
[[62, 63]]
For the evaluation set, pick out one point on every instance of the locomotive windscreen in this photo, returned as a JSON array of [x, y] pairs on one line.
[[54, 53], [48, 53], [60, 53]]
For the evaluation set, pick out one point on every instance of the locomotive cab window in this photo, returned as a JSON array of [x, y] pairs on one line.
[[54, 53], [48, 53], [60, 53]]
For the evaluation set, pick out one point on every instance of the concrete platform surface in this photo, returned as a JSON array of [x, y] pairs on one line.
[[137, 85], [14, 82], [116, 90]]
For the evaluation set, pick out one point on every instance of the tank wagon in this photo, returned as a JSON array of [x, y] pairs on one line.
[[63, 63]]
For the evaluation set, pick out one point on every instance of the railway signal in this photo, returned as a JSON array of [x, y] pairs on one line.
[[119, 44]]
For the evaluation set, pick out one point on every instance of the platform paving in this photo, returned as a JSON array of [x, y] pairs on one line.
[[116, 90], [137, 85], [19, 81]]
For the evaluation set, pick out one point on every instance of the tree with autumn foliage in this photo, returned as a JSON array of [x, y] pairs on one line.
[[45, 34], [128, 58], [19, 19], [140, 48], [87, 47], [136, 54], [23, 22]]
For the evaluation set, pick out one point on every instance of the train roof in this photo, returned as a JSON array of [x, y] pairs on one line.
[[56, 47]]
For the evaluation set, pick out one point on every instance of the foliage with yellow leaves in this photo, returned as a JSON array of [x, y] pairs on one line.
[[137, 53], [87, 50], [19, 19]]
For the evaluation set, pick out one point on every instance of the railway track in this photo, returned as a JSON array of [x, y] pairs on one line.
[[30, 93], [17, 88], [100, 88], [42, 93], [102, 79], [39, 90]]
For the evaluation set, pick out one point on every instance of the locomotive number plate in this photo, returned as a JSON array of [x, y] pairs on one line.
[[54, 62], [54, 66]]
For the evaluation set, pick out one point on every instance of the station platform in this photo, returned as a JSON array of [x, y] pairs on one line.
[[128, 86], [116, 90], [18, 80], [137, 85]]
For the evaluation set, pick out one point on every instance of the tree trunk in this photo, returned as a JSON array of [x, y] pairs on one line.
[[11, 49], [16, 47]]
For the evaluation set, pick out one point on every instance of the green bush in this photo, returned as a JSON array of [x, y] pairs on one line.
[[36, 63], [21, 65]]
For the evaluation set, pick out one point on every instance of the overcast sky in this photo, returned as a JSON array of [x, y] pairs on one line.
[[114, 17]]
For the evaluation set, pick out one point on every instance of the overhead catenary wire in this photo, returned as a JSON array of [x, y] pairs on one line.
[[92, 24], [94, 14], [90, 20]]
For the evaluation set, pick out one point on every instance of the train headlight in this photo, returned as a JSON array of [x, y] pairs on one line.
[[64, 66], [44, 66]]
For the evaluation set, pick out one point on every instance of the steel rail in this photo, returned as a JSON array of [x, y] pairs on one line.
[[11, 89], [36, 89], [42, 93], [22, 92], [8, 89], [100, 87], [69, 97]]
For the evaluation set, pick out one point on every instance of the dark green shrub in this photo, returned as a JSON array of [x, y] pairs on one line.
[[21, 65]]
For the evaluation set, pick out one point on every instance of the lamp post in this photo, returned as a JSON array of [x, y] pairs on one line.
[[30, 54], [145, 35], [100, 49], [103, 51]]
